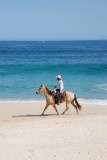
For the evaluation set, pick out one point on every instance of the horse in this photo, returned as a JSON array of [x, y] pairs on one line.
[[70, 98]]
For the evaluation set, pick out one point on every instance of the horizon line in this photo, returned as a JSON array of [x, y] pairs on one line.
[[57, 40]]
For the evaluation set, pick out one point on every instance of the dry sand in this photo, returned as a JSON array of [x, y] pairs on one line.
[[25, 135]]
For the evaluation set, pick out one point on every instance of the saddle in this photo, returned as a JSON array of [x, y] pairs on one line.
[[62, 96]]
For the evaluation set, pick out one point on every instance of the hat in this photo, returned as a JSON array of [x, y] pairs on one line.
[[59, 77]]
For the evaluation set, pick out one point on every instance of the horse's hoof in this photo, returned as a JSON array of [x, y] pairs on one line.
[[42, 114], [62, 113]]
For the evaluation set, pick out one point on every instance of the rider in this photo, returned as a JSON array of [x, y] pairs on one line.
[[59, 88]]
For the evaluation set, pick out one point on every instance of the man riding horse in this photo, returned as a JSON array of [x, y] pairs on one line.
[[60, 95], [59, 88]]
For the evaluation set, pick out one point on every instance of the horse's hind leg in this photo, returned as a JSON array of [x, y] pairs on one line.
[[67, 107], [75, 107]]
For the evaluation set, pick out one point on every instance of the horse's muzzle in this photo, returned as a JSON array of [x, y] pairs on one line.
[[37, 93]]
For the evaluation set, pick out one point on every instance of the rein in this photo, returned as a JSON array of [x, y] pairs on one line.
[[49, 91]]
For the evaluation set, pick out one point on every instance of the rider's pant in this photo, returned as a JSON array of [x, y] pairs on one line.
[[58, 95]]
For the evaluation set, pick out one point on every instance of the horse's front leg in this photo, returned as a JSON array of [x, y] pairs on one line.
[[54, 106], [45, 109], [67, 107]]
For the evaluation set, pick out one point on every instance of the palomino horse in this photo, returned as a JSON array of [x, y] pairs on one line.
[[50, 100]]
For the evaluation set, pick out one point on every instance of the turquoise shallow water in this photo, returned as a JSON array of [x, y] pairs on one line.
[[24, 66]]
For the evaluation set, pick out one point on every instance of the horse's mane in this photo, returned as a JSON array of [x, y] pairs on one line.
[[49, 91]]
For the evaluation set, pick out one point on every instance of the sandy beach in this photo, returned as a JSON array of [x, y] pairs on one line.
[[25, 134]]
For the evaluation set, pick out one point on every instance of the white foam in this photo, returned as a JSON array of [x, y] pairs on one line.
[[93, 101], [102, 86], [80, 100], [20, 101]]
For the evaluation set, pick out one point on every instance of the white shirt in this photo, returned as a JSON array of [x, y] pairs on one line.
[[60, 85]]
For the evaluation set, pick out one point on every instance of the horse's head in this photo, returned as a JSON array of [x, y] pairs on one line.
[[41, 89]]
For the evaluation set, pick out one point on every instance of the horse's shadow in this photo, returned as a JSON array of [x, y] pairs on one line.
[[33, 115]]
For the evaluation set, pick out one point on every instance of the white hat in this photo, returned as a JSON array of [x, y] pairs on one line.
[[59, 77]]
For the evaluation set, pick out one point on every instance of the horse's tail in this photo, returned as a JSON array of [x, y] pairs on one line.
[[78, 105]]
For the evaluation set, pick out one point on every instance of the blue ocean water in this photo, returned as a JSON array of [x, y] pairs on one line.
[[24, 66]]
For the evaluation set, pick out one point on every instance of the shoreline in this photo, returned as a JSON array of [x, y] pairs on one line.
[[80, 100]]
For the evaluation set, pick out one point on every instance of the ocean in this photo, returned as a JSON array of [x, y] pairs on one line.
[[25, 65]]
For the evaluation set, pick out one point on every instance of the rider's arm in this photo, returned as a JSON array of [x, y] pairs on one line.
[[61, 86]]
